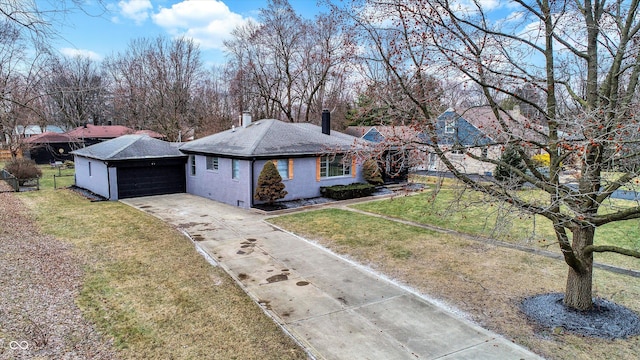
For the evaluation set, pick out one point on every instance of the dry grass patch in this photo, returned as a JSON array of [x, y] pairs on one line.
[[473, 214], [147, 287], [485, 281]]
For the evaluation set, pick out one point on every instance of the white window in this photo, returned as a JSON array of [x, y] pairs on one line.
[[212, 163], [333, 166], [235, 169], [192, 162]]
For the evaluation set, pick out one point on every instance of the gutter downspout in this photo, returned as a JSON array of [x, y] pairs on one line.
[[253, 162], [108, 179]]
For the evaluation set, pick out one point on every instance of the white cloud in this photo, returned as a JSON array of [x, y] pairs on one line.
[[208, 22], [70, 52], [138, 10]]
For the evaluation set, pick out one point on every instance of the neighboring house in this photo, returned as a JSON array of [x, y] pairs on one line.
[[225, 166], [24, 132], [93, 134], [50, 147], [397, 154], [519, 126], [130, 166], [31, 130], [457, 136]]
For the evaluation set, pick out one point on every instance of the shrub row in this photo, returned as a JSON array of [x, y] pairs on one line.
[[351, 191]]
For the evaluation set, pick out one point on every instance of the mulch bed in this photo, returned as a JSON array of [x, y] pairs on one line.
[[39, 279]]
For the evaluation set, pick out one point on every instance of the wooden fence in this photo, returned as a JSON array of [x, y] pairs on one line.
[[5, 155]]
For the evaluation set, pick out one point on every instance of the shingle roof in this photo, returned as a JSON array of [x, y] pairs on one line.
[[130, 147], [271, 138], [100, 131], [51, 138], [520, 127]]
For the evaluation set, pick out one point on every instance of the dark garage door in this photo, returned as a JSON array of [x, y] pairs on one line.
[[150, 180]]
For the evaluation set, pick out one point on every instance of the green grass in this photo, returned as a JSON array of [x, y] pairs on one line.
[[64, 177], [146, 287]]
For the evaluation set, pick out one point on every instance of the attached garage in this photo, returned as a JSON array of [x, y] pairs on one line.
[[151, 178], [131, 166]]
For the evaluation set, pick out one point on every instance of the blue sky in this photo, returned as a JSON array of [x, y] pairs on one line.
[[98, 33]]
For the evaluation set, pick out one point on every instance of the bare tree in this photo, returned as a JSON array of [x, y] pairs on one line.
[[584, 56], [213, 104], [154, 81], [294, 67], [21, 90], [76, 88]]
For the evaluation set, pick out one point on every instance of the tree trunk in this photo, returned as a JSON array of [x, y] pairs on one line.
[[579, 281]]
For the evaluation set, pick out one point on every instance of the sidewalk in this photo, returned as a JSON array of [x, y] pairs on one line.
[[335, 308]]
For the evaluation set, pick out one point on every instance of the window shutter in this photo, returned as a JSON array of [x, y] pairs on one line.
[[318, 168], [353, 167], [291, 168]]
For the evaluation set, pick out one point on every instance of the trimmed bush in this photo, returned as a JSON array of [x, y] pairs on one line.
[[23, 169], [270, 187], [344, 192], [371, 172]]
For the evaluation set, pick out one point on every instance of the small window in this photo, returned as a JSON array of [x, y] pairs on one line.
[[333, 166], [283, 168], [212, 163], [89, 168], [450, 126], [485, 152], [192, 162], [235, 169]]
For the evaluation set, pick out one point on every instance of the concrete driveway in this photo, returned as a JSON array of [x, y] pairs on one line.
[[333, 307]]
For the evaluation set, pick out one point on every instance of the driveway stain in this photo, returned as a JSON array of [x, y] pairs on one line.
[[277, 278]]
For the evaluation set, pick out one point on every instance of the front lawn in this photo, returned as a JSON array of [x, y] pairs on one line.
[[472, 214], [145, 286], [485, 281]]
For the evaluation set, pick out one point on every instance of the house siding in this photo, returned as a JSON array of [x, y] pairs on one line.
[[305, 184], [98, 181], [218, 184]]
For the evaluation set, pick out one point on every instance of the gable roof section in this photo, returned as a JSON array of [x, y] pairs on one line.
[[520, 127], [271, 138], [130, 147], [465, 134]]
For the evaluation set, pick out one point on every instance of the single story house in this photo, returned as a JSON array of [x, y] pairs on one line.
[[225, 166], [130, 166], [50, 147]]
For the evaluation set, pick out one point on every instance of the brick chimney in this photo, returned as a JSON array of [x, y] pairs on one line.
[[245, 119]]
